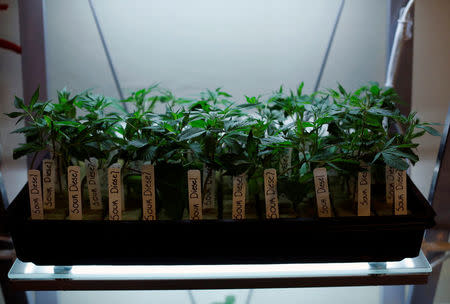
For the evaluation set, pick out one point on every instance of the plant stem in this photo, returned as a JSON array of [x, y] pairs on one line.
[[361, 136], [292, 167], [59, 166], [33, 160], [134, 170]]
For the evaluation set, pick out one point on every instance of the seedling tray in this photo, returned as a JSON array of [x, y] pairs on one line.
[[301, 240]]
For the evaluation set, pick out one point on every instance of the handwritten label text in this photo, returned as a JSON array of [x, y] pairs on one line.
[[239, 195], [114, 193], [364, 182], [148, 193], [34, 190], [93, 181], [74, 191], [48, 173], [401, 206], [322, 193], [195, 195], [271, 193]]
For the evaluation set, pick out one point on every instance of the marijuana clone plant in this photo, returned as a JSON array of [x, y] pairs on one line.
[[340, 130]]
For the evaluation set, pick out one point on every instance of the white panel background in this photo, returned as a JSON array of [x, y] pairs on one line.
[[246, 46]]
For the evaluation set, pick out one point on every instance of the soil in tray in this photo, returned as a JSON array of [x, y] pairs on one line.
[[210, 214], [345, 204], [130, 215], [55, 214]]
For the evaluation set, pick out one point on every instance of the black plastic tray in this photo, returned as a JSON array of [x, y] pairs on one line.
[[339, 239]]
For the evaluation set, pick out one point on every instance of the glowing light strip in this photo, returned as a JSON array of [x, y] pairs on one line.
[[217, 271]]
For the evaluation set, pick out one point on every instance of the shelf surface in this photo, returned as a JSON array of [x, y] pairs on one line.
[[31, 277]]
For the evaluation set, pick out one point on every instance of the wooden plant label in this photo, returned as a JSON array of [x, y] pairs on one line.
[[95, 195], [271, 193], [239, 194], [390, 184], [401, 206], [322, 193], [148, 193], [364, 181], [115, 193], [35, 192], [74, 191], [93, 181], [48, 177], [210, 187], [285, 162], [195, 195]]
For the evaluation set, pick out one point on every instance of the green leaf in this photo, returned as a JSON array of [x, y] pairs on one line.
[[324, 120], [67, 123], [18, 103], [306, 124], [389, 142], [388, 92], [375, 90], [34, 98], [412, 145], [300, 89], [48, 120], [271, 140], [401, 154], [26, 129], [429, 130], [14, 114], [26, 149], [394, 161], [418, 134], [191, 133], [342, 90], [252, 145], [224, 94], [377, 156], [137, 143], [381, 112], [149, 153], [249, 105], [200, 123]]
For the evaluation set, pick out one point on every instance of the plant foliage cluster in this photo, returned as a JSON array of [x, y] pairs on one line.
[[336, 129]]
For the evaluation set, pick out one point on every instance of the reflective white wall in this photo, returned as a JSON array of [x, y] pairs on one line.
[[246, 46], [13, 171]]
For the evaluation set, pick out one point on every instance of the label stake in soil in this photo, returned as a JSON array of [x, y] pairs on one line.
[[390, 185], [271, 193], [74, 191], [115, 193], [48, 177], [285, 162], [148, 193], [401, 206], [322, 193], [93, 181], [239, 194], [195, 195], [364, 182], [210, 187], [35, 192]]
